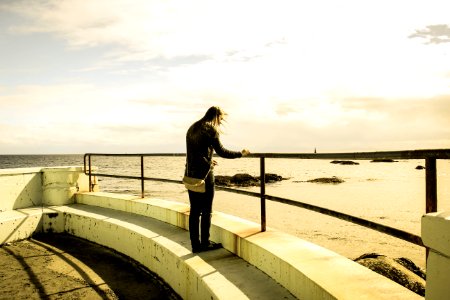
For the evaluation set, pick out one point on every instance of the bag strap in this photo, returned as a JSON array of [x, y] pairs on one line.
[[187, 169]]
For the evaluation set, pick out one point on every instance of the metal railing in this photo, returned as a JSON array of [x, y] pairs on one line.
[[430, 157]]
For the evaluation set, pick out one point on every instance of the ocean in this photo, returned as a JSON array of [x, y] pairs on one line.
[[388, 193]]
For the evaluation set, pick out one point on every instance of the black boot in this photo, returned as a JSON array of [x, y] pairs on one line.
[[210, 246], [196, 248]]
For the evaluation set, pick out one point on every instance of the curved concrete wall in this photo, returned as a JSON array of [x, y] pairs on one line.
[[60, 184], [436, 236], [20, 188], [305, 269], [26, 187]]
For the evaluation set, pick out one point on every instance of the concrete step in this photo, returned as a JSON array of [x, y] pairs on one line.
[[165, 250]]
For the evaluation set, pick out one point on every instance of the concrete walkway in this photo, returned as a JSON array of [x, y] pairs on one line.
[[251, 281], [61, 266], [102, 276]]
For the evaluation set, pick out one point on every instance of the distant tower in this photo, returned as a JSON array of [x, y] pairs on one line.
[[315, 151]]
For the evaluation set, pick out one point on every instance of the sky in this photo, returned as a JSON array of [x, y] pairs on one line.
[[120, 76]]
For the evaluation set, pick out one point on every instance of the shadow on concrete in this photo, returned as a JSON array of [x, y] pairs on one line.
[[18, 227], [33, 277], [124, 276], [242, 273]]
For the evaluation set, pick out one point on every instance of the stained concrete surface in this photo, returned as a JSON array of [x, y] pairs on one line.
[[61, 266]]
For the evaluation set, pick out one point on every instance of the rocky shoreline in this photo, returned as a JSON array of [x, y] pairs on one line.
[[344, 162], [401, 270], [330, 180], [245, 180]]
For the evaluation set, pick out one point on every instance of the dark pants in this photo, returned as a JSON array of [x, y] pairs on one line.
[[201, 206]]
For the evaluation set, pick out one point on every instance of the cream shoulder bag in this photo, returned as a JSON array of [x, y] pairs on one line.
[[195, 184]]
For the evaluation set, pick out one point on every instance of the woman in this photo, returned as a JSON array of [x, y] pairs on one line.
[[202, 139]]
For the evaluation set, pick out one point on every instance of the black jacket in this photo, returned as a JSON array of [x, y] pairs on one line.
[[202, 139]]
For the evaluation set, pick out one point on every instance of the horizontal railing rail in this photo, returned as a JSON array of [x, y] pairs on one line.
[[430, 157]]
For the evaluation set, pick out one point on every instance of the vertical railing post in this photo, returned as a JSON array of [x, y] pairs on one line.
[[90, 176], [430, 185], [430, 190], [263, 193], [142, 176]]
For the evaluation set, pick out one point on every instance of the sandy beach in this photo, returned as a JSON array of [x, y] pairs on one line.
[[344, 238]]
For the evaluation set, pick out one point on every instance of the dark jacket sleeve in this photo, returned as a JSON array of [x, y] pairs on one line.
[[201, 141], [221, 151]]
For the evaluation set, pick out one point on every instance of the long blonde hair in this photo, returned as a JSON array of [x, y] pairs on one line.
[[215, 116]]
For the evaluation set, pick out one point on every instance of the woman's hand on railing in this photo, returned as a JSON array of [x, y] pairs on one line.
[[245, 152]]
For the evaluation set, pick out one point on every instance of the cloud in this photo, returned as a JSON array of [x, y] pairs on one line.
[[276, 44], [434, 34], [354, 124], [357, 125], [277, 67], [284, 109], [151, 29], [434, 109], [422, 120]]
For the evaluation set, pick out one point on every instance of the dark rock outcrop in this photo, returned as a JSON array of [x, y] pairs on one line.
[[401, 270], [386, 160], [244, 179], [222, 180], [271, 177], [420, 167], [344, 162], [331, 180]]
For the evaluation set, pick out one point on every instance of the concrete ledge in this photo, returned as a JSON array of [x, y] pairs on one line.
[[20, 188], [59, 184], [133, 226], [436, 236], [19, 224], [162, 248], [190, 276], [308, 271], [129, 225], [31, 187], [19, 171], [171, 212], [436, 232]]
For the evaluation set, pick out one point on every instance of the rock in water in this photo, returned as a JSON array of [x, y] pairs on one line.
[[222, 180], [244, 179], [344, 162], [388, 160], [270, 177], [332, 180], [401, 270]]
